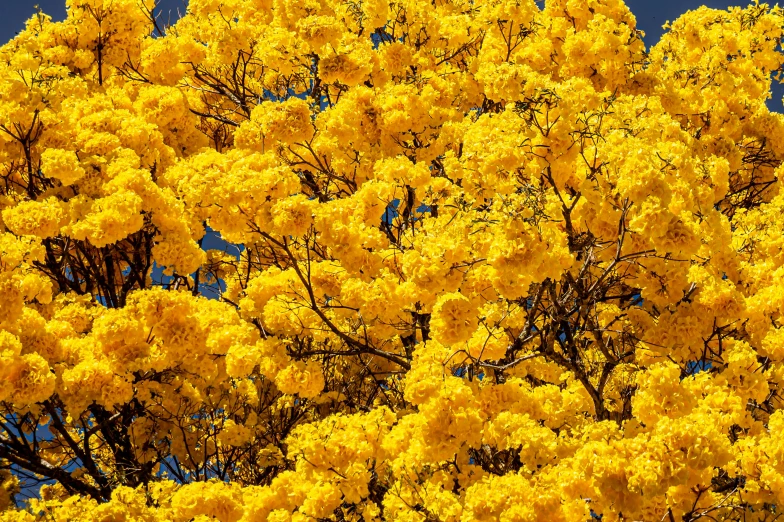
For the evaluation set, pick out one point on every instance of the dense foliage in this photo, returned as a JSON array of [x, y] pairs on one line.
[[478, 260]]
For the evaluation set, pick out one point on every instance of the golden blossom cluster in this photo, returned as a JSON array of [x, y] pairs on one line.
[[480, 260]]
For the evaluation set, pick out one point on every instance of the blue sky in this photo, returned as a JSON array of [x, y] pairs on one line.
[[651, 15]]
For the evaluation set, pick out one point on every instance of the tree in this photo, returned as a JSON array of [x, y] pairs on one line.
[[394, 260]]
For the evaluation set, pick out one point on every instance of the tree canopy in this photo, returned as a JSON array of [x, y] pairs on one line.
[[391, 260]]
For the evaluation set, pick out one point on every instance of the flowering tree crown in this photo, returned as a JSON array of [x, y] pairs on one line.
[[482, 260]]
